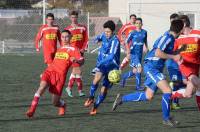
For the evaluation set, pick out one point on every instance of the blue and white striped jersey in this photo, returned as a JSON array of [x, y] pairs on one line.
[[109, 51], [166, 44]]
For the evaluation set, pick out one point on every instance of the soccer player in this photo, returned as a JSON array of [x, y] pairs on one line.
[[174, 73], [153, 68], [79, 40], [55, 74], [191, 61], [123, 34], [137, 38], [49, 34], [108, 59]]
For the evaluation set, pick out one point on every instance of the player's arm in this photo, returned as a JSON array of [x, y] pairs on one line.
[[59, 37], [127, 41], [111, 54], [98, 38], [85, 42], [120, 33], [145, 48], [76, 57], [38, 38]]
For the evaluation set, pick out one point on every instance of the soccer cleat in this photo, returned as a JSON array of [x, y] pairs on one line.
[[117, 102], [88, 102], [30, 112], [93, 111], [175, 106], [69, 92], [81, 94], [61, 110], [170, 122]]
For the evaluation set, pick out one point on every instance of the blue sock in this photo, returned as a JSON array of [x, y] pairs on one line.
[[93, 89], [166, 105], [128, 75], [137, 96], [100, 99], [138, 80]]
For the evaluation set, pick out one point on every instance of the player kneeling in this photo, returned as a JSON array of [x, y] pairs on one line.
[[55, 75]]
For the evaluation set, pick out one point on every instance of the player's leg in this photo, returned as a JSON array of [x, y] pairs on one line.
[[198, 98], [38, 94], [133, 97], [57, 102], [93, 88], [138, 77], [124, 63], [165, 88], [79, 81], [127, 75], [72, 79]]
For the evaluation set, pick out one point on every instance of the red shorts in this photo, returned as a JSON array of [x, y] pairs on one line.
[[188, 69], [48, 58], [55, 80]]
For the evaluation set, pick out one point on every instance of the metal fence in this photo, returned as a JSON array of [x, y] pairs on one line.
[[19, 27]]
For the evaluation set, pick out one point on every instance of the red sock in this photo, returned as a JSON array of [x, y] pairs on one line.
[[79, 84], [71, 81], [178, 94], [124, 63], [34, 103]]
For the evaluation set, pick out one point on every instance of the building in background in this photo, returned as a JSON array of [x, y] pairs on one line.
[[155, 13]]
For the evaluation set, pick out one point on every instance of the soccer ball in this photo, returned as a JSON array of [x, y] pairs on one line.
[[114, 76]]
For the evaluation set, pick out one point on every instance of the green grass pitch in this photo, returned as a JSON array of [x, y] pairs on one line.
[[19, 79]]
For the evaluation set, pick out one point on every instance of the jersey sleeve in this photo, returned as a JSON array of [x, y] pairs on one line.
[[38, 37], [163, 43], [85, 41], [113, 51], [129, 38], [98, 38], [120, 32]]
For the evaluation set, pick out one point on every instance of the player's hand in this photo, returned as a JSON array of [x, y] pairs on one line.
[[72, 59], [178, 59], [38, 50]]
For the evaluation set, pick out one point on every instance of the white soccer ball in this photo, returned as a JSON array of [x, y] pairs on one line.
[[114, 76]]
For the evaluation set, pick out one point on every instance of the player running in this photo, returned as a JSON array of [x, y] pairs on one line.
[[137, 38], [55, 74], [79, 40], [153, 68], [49, 34], [107, 60]]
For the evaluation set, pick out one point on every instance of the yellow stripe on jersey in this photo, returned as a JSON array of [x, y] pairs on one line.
[[50, 36], [61, 55]]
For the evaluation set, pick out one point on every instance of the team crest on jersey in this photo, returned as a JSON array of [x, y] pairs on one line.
[[62, 55]]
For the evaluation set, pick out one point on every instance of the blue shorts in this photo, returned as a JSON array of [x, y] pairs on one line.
[[136, 61], [153, 76], [105, 69], [175, 74]]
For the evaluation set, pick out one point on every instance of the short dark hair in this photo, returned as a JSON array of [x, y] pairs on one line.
[[66, 31], [75, 13], [50, 15], [185, 20], [139, 19], [173, 16], [132, 15], [176, 26], [109, 24]]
